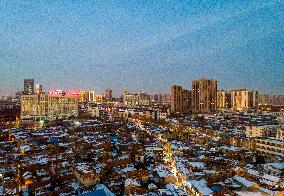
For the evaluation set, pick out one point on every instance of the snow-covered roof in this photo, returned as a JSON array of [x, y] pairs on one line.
[[163, 171], [197, 164], [130, 181], [201, 186], [278, 166], [243, 181]]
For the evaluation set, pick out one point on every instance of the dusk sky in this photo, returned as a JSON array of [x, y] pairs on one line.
[[142, 45]]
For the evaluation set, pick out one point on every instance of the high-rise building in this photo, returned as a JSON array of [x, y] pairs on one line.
[[240, 99], [161, 97], [53, 105], [33, 106], [38, 89], [180, 99], [108, 95], [176, 98], [62, 104], [143, 99], [130, 100], [155, 98], [281, 100], [204, 95], [223, 99], [264, 100], [135, 99], [244, 99], [158, 97], [29, 86], [186, 100], [277, 99], [271, 99], [88, 96], [82, 96], [100, 98], [253, 99], [168, 97]]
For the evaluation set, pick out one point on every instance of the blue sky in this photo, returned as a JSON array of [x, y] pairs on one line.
[[142, 45]]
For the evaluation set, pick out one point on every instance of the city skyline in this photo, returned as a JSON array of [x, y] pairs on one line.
[[104, 91], [146, 46], [122, 97]]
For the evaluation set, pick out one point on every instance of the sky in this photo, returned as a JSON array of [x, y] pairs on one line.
[[142, 45]]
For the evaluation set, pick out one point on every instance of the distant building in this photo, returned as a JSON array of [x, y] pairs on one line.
[[204, 95], [130, 100], [240, 99], [100, 98], [135, 99], [271, 99], [158, 97], [108, 95], [155, 98], [82, 96], [180, 99], [253, 99], [62, 104], [176, 98], [167, 97], [33, 107], [29, 86], [161, 98], [144, 99], [281, 100], [243, 99], [87, 96], [50, 106], [264, 100], [223, 99], [38, 89], [186, 100]]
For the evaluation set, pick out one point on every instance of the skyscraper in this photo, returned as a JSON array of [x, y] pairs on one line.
[[176, 98], [186, 100], [155, 97], [240, 99], [270, 99], [38, 89], [223, 99], [253, 99], [135, 99], [29, 86], [204, 95], [244, 99], [88, 96], [180, 99], [108, 95], [264, 99]]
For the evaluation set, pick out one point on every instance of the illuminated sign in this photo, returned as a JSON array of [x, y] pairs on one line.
[[60, 92]]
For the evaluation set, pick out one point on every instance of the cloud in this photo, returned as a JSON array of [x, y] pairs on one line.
[[191, 25]]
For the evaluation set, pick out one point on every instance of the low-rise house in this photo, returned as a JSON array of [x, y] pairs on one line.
[[86, 175], [129, 184], [198, 187], [142, 175]]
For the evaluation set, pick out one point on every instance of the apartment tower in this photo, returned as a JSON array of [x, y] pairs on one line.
[[204, 95]]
